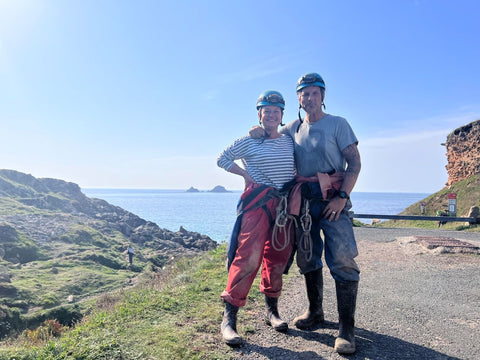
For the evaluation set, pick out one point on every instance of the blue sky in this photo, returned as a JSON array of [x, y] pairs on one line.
[[146, 94]]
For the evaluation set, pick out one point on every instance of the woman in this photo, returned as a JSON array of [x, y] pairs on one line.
[[263, 231]]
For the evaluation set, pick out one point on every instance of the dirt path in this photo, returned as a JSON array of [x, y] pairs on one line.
[[413, 303]]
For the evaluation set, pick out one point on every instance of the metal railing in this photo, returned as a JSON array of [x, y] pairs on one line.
[[442, 219]]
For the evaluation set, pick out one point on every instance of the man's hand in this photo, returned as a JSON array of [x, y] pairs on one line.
[[334, 208], [256, 132]]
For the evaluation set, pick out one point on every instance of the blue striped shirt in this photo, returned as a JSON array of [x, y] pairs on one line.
[[268, 161]]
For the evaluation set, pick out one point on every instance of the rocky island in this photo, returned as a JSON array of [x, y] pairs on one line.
[[219, 189], [193, 190]]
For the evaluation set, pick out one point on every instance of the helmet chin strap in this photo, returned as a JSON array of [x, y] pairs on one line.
[[299, 117]]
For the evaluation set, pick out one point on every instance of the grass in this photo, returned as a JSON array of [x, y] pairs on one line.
[[42, 280], [50, 282], [11, 206], [174, 314]]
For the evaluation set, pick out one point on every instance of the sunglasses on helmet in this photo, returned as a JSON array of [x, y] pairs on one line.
[[310, 79], [272, 98]]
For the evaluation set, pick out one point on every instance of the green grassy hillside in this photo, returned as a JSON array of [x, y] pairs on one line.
[[468, 195], [60, 250], [55, 279], [173, 316]]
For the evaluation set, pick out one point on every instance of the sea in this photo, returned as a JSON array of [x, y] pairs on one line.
[[214, 214]]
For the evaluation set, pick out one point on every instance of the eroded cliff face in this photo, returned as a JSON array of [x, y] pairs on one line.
[[463, 152]]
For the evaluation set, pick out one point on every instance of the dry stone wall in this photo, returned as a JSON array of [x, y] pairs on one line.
[[463, 152]]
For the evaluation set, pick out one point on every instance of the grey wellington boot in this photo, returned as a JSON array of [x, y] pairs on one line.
[[229, 325], [314, 316], [272, 317], [346, 301]]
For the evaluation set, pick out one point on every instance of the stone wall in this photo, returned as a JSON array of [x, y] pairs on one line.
[[463, 152]]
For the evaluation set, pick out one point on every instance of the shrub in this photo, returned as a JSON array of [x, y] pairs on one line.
[[10, 320], [159, 260], [46, 331], [50, 300]]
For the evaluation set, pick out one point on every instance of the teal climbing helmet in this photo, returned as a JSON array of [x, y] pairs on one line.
[[271, 97], [310, 79]]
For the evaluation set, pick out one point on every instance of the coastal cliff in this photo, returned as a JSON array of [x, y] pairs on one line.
[[463, 168], [59, 247], [463, 152], [49, 210]]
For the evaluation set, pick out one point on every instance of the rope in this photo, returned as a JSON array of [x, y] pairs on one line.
[[306, 243], [280, 226]]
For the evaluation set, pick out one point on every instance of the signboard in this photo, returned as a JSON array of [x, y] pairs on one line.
[[452, 204]]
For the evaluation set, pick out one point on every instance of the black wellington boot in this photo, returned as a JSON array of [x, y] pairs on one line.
[[346, 301], [272, 317], [314, 316], [229, 325]]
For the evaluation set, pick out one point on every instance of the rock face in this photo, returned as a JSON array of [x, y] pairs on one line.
[[463, 152], [50, 210]]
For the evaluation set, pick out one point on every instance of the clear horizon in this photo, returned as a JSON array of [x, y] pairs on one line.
[[123, 94], [234, 190]]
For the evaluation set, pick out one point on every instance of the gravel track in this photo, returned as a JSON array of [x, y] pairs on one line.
[[413, 303]]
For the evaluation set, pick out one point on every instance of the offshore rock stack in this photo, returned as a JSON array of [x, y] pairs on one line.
[[463, 152]]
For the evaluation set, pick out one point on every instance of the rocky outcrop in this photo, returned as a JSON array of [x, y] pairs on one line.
[[219, 189], [463, 152], [193, 190], [50, 210], [58, 246]]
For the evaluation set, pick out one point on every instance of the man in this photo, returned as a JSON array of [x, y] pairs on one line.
[[130, 254], [328, 164]]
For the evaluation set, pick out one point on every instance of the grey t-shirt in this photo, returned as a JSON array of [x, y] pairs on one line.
[[319, 146]]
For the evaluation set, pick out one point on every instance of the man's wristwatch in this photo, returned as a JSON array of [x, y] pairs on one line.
[[343, 195]]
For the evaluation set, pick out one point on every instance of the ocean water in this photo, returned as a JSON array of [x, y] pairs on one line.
[[213, 214]]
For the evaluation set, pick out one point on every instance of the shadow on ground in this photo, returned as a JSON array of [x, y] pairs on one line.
[[370, 345]]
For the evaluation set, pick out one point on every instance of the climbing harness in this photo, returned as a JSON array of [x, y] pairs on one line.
[[280, 226], [306, 243], [258, 197]]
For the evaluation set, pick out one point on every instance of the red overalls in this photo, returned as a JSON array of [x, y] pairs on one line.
[[254, 246]]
